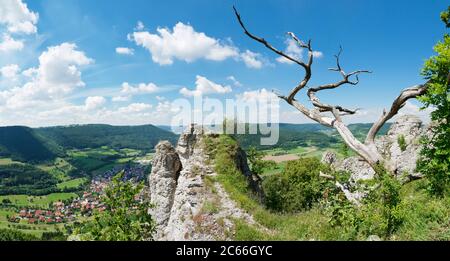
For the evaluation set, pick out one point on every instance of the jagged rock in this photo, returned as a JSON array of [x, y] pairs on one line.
[[180, 211], [166, 167], [408, 126], [411, 128]]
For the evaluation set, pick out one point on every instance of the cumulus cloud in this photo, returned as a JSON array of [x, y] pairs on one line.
[[251, 59], [10, 71], [94, 102], [17, 17], [204, 86], [182, 43], [58, 74], [8, 44], [141, 88], [125, 51]]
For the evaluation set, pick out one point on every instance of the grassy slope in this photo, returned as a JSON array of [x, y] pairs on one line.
[[425, 218]]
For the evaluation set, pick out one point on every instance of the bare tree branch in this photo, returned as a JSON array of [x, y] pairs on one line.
[[346, 80], [398, 103], [368, 151], [265, 43], [307, 66]]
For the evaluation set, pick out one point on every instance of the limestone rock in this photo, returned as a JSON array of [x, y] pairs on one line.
[[189, 205], [408, 126], [166, 166]]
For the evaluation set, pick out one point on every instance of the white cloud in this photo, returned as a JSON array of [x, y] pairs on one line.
[[58, 74], [135, 107], [295, 51], [94, 102], [139, 26], [10, 71], [182, 43], [17, 17], [251, 59], [317, 54], [8, 44], [160, 98], [262, 95], [141, 88], [234, 81], [125, 51], [204, 86]]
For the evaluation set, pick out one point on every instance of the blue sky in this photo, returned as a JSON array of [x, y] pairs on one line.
[[78, 75]]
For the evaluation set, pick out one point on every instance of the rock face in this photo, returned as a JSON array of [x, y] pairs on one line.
[[190, 205], [166, 167], [410, 128]]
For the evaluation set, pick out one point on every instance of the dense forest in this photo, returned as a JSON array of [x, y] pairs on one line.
[[44, 144], [25, 179], [24, 144], [305, 135], [143, 137]]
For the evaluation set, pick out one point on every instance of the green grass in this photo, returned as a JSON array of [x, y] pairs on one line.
[[59, 169], [74, 183], [37, 201], [424, 217], [303, 226]]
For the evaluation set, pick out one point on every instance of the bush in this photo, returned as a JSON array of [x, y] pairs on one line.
[[298, 187], [15, 235], [125, 218], [382, 211], [401, 142]]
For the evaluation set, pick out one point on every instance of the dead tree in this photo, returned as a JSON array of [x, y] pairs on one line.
[[331, 115]]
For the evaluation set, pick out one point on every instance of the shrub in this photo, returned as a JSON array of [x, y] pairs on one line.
[[401, 142], [298, 187], [125, 218], [382, 211]]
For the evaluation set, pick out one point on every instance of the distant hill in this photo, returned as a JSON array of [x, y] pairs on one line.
[[24, 144], [304, 135], [143, 137]]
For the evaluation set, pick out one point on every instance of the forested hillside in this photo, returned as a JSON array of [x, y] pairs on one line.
[[305, 135], [142, 137], [24, 144]]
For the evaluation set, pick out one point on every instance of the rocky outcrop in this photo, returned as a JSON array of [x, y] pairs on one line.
[[166, 167], [407, 127], [189, 204], [254, 181]]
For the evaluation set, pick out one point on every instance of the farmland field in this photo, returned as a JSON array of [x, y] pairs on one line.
[[37, 201], [74, 183]]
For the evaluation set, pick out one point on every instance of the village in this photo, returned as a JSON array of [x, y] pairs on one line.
[[83, 206]]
